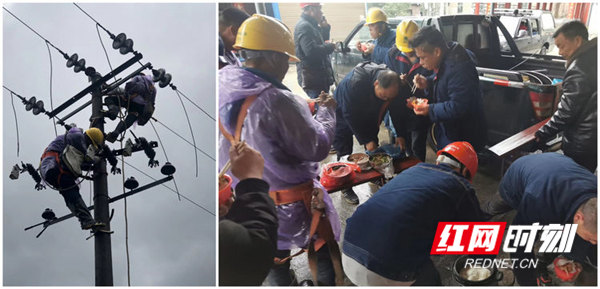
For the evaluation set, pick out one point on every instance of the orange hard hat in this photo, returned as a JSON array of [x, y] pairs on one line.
[[303, 5], [463, 152]]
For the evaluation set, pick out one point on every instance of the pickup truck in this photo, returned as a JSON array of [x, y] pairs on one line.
[[530, 29], [518, 90]]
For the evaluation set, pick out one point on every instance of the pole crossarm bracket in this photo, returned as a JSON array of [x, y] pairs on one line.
[[136, 148], [49, 223]]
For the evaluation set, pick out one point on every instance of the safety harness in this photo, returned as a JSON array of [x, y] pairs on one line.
[[319, 226]]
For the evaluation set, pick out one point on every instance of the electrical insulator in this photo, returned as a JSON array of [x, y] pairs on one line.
[[167, 169], [38, 107], [79, 66], [30, 104], [124, 44], [48, 214], [131, 183], [161, 77], [72, 60]]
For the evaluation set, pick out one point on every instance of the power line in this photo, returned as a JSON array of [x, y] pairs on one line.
[[166, 157], [13, 15], [191, 130], [181, 137], [160, 141], [104, 48], [182, 195], [51, 104], [12, 102], [211, 117]]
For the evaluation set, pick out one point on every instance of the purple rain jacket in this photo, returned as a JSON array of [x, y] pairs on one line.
[[280, 126]]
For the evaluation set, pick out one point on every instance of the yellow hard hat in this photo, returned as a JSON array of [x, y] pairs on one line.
[[375, 15], [261, 32], [404, 33], [96, 136]]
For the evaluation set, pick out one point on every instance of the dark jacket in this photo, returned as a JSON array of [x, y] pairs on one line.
[[577, 112], [227, 57], [457, 107], [382, 45], [248, 236], [546, 188], [400, 63], [314, 69], [392, 233], [549, 188], [361, 109]]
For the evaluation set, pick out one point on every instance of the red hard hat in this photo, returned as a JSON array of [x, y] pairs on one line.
[[463, 152], [302, 5]]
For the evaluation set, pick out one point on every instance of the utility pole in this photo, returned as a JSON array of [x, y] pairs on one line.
[[102, 244]]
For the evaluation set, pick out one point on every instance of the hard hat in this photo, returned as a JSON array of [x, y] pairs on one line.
[[404, 33], [463, 152], [96, 136], [303, 5], [261, 32], [375, 15]]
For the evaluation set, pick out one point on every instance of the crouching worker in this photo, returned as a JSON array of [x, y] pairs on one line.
[[254, 106], [388, 239], [62, 163], [550, 188], [248, 231], [363, 98], [138, 98]]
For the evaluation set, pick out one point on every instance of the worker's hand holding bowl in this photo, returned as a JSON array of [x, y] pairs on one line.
[[420, 106]]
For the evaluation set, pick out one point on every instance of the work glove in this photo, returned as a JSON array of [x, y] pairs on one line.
[[115, 170], [152, 163]]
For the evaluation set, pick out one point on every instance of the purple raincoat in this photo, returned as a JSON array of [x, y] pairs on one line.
[[279, 125]]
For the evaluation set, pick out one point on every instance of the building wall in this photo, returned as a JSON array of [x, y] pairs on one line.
[[342, 16]]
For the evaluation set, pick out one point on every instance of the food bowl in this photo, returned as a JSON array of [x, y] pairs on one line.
[[362, 160], [225, 190], [468, 276], [380, 160], [418, 102]]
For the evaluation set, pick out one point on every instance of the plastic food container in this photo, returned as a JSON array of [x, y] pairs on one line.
[[225, 190]]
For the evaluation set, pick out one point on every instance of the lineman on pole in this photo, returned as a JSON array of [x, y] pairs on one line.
[[138, 98], [62, 163]]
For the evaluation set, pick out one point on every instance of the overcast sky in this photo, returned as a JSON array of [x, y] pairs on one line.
[[170, 242]]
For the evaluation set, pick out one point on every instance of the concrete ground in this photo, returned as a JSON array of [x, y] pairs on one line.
[[485, 183]]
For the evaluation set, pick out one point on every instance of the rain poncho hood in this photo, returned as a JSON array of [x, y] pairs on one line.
[[280, 126]]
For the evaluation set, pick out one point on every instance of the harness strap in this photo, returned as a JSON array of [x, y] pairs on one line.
[[56, 156], [322, 228], [236, 137]]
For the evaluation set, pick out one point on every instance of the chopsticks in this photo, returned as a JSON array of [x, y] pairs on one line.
[[225, 168]]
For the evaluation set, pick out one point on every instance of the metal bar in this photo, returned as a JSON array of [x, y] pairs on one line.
[[517, 140], [95, 84], [91, 208], [62, 120], [121, 81], [136, 148]]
